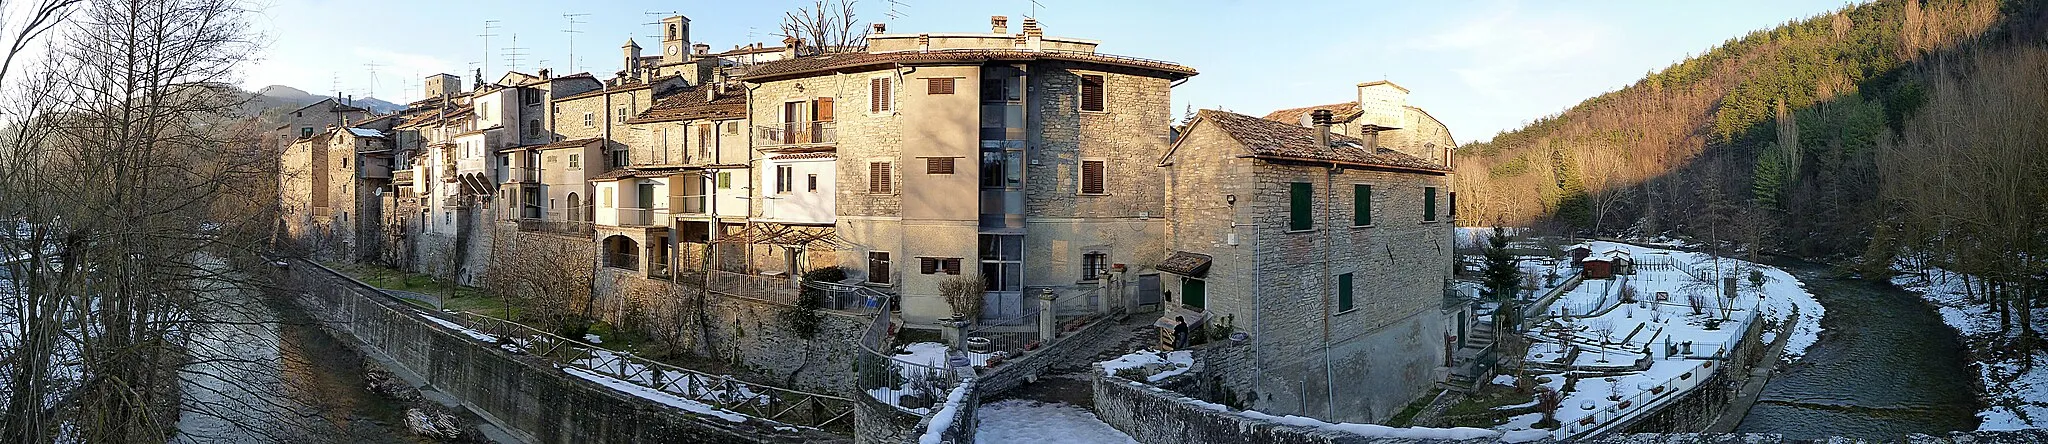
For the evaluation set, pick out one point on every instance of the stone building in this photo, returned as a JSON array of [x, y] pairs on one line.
[[1381, 111], [331, 188], [1333, 257], [1018, 158], [316, 117]]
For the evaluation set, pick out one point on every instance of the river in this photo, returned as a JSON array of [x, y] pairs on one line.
[[1885, 366], [264, 374]]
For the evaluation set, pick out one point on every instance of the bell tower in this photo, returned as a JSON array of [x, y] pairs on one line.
[[675, 39], [632, 53]]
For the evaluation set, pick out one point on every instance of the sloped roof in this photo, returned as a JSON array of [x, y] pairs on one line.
[[571, 143], [365, 132], [693, 104], [628, 84], [834, 61], [1341, 112], [1268, 139]]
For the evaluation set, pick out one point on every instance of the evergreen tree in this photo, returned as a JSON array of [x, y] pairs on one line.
[[1503, 275]]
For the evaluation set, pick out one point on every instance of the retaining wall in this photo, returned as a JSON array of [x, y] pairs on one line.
[[531, 399]]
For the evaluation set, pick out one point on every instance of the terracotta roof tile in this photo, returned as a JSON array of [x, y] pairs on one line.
[[1268, 139], [692, 104], [825, 62]]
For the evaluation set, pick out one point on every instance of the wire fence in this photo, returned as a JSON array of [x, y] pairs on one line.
[[913, 384]]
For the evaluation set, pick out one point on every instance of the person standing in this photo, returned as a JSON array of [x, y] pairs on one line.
[[1180, 332]]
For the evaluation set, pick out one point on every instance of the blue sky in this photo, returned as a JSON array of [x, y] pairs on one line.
[[1480, 66]]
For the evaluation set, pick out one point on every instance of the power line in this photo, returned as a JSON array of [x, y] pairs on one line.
[[573, 21]]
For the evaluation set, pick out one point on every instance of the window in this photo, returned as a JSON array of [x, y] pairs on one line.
[[1091, 177], [589, 119], [1344, 292], [622, 115], [1361, 205], [936, 86], [1194, 292], [1299, 200], [1454, 207], [725, 180], [607, 199], [879, 95], [814, 183], [879, 178], [878, 267], [305, 131], [821, 109], [533, 128], [1091, 92], [785, 178], [1094, 265], [733, 128], [1002, 262], [704, 142], [575, 161], [1429, 204], [938, 265], [938, 165]]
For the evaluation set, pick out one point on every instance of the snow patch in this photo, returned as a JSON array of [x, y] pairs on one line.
[[656, 395], [1170, 363], [473, 333], [1019, 421]]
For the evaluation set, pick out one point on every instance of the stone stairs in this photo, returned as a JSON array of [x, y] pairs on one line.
[[1465, 371]]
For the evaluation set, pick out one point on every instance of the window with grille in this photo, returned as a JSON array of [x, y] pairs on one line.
[[1091, 177], [1091, 92], [938, 165], [879, 178], [878, 267], [1094, 265], [879, 95], [935, 86]]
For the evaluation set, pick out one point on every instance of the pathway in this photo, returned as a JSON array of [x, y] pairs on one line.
[[1753, 387], [430, 300]]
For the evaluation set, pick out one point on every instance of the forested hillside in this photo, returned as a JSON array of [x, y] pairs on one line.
[[1900, 121]]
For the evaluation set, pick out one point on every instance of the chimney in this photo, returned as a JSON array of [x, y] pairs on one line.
[[1031, 28], [789, 45], [924, 42], [881, 28], [1321, 118], [701, 48], [544, 73], [999, 24]]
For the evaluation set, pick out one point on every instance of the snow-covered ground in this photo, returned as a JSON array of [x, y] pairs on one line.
[[1019, 421], [1162, 365], [1613, 336], [921, 358], [2017, 397]]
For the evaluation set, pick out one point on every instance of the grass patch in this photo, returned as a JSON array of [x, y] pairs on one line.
[[1477, 410], [1407, 416], [464, 298]]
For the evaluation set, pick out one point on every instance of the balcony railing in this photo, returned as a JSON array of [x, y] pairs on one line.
[[557, 226], [524, 175], [689, 204], [797, 133], [643, 216]]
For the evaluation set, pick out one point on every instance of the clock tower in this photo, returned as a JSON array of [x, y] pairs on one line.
[[675, 40]]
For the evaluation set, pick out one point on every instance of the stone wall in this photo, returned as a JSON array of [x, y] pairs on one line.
[[1154, 415], [750, 336], [528, 397], [1077, 346]]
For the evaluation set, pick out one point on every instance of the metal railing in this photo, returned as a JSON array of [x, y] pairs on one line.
[[797, 133], [643, 216], [1013, 337], [524, 174], [914, 389], [557, 226]]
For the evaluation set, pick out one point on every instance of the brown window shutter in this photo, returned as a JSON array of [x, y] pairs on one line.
[[927, 265], [879, 178], [888, 95], [1091, 177], [874, 95], [943, 85], [953, 266], [938, 165], [1091, 92], [823, 108]]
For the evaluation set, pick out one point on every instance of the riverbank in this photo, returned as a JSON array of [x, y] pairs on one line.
[[2014, 391]]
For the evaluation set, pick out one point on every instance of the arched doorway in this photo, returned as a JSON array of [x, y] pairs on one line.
[[575, 204], [621, 252]]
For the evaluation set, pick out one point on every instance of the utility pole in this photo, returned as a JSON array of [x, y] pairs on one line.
[[489, 26], [573, 21]]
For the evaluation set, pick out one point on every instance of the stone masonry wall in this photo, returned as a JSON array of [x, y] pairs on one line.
[[528, 397]]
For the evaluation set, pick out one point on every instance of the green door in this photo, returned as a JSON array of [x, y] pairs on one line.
[[1193, 292]]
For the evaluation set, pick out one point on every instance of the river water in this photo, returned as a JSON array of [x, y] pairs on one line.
[[1885, 366], [265, 374]]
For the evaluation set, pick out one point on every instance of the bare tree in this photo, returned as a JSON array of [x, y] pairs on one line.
[[825, 27]]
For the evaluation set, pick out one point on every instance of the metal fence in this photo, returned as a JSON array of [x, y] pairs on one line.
[[1010, 338], [797, 133], [915, 389]]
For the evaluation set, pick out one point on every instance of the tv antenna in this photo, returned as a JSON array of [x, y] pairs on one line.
[[373, 80], [574, 19], [514, 52], [894, 13], [489, 26], [1034, 9]]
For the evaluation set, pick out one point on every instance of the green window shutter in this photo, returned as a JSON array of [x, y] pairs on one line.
[[1429, 204], [1298, 197], [1344, 292], [1361, 205], [1194, 293]]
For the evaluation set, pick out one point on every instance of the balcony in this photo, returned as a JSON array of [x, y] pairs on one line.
[[375, 170], [524, 175], [641, 217], [797, 133], [401, 177], [689, 204], [557, 227]]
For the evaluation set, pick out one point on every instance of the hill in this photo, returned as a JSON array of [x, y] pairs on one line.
[[1813, 137], [275, 96]]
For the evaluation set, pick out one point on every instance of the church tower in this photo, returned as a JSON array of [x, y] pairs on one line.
[[632, 65], [675, 40]]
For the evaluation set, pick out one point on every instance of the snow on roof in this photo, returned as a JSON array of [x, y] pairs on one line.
[[365, 132]]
